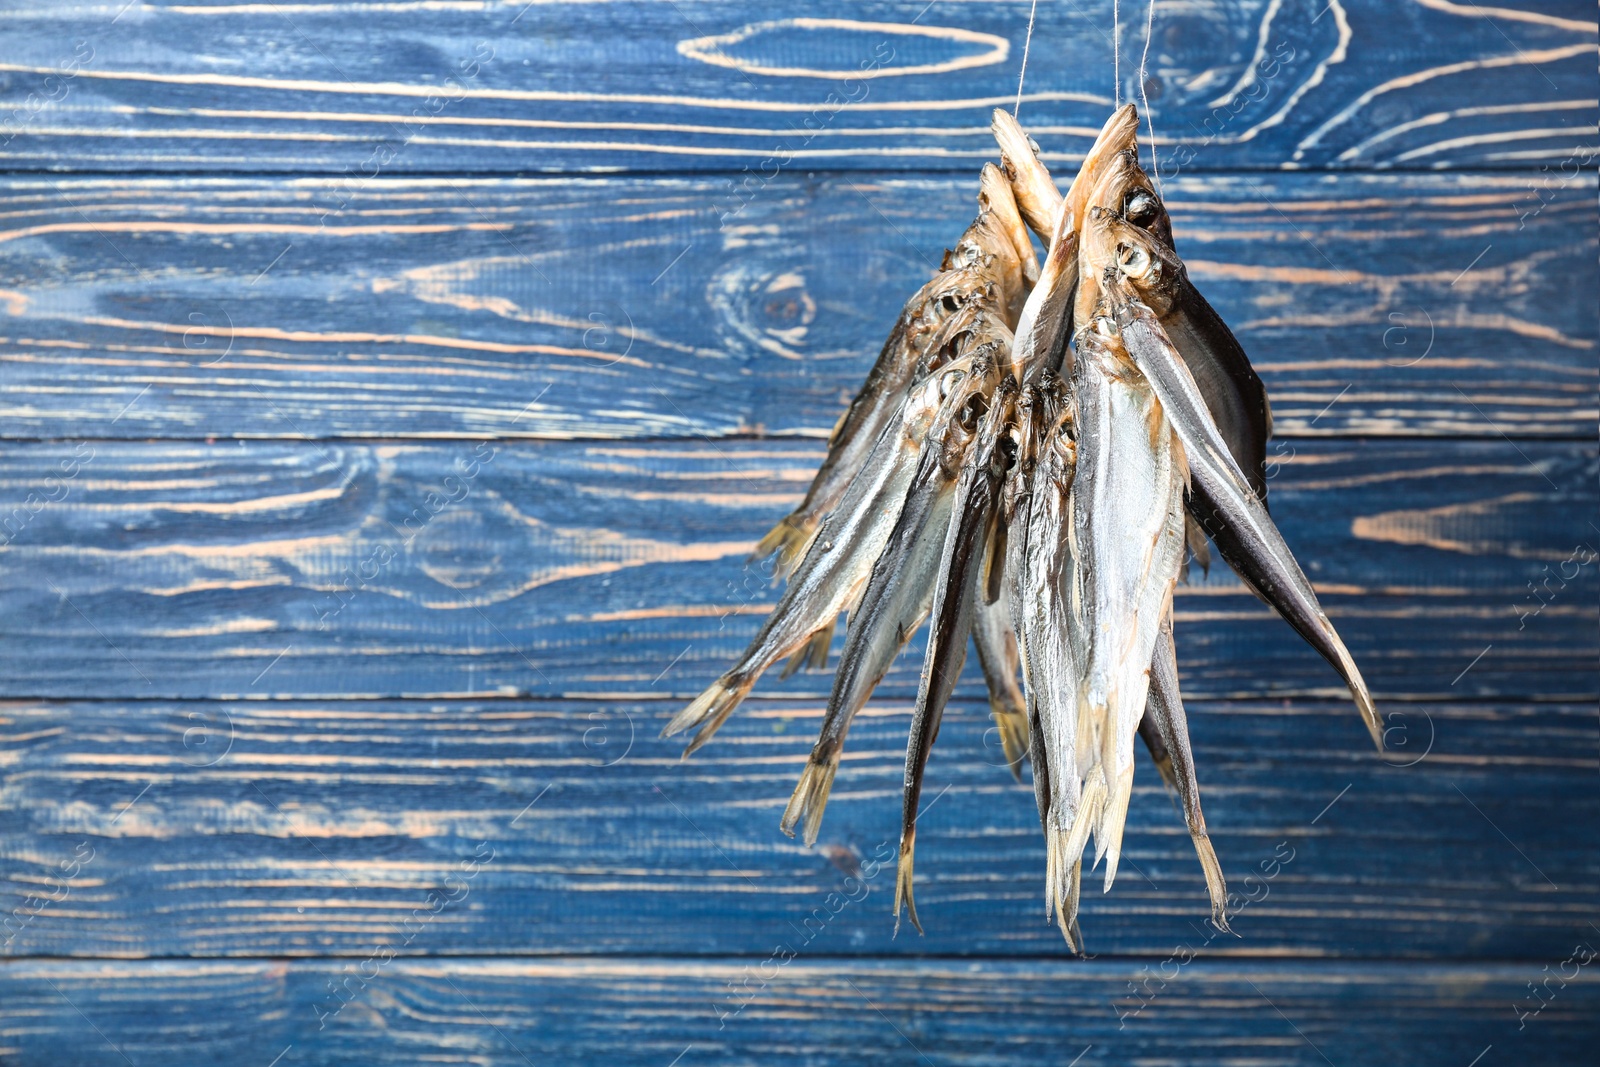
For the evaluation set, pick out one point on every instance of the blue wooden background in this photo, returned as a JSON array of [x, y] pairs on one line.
[[392, 391]]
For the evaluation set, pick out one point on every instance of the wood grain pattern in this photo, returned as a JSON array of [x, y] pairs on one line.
[[274, 829], [340, 747], [505, 86], [1398, 305], [264, 569], [648, 1012]]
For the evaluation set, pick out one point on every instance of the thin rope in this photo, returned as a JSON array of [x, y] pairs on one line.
[[1144, 97], [1116, 54], [1026, 41]]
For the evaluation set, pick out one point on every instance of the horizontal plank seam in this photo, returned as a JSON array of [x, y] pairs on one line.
[[910, 960], [982, 703], [603, 172], [378, 440]]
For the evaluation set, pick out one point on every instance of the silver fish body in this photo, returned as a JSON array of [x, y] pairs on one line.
[[956, 592], [1223, 502], [898, 594], [990, 267], [1052, 645], [1169, 726], [836, 565], [1127, 526]]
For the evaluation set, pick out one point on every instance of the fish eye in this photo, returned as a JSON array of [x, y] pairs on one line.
[[1135, 261], [972, 411], [1141, 208]]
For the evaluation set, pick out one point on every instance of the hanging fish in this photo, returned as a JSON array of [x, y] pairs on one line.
[[1222, 497], [1030, 459], [992, 265]]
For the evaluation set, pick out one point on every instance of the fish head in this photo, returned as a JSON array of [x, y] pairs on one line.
[[924, 407], [997, 431], [1057, 458], [1037, 404], [1127, 260], [1106, 157], [965, 387], [996, 199], [1036, 196], [987, 258], [1120, 185], [950, 338]]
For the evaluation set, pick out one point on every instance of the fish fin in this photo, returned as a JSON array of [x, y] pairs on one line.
[[1112, 822], [775, 539], [789, 540], [811, 795], [1158, 753], [903, 878], [1013, 725], [1199, 547], [711, 708], [813, 655]]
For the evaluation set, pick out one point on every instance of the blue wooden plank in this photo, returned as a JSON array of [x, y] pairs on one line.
[[273, 569], [356, 88], [1396, 305], [293, 829], [652, 1012]]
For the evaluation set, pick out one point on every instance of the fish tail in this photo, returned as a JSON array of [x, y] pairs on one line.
[[902, 880], [811, 795], [1089, 807], [1358, 686], [1112, 821], [1216, 886], [711, 708], [1159, 754], [1064, 876], [1069, 913]]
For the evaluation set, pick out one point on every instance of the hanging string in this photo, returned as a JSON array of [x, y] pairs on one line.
[[1026, 42], [1144, 97], [1116, 54]]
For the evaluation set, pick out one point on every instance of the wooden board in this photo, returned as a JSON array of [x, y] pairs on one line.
[[734, 87], [291, 829], [272, 569], [652, 1013], [390, 392], [1400, 305]]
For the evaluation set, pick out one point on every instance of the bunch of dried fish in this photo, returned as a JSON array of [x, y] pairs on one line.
[[1032, 462]]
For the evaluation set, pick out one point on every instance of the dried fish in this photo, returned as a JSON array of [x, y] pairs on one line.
[[900, 591], [1028, 463], [1222, 498], [990, 267], [977, 499], [1127, 535]]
